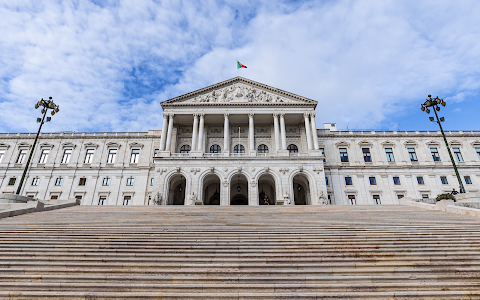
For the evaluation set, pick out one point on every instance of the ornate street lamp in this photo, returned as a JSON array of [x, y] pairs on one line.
[[435, 104], [45, 105]]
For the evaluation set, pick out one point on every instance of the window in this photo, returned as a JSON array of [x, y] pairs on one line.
[[323, 153], [396, 180], [135, 155], [292, 148], [130, 181], [59, 181], [476, 150], [215, 149], [444, 179], [66, 156], [185, 149], [400, 196], [127, 200], [412, 154], [389, 153], [21, 156], [102, 200], [435, 155], [12, 180], [366, 155], [467, 180], [238, 149], [326, 180], [54, 197], [376, 199], [112, 155], [424, 196], [149, 200], [35, 181], [151, 181], [106, 181], [89, 156], [373, 180], [348, 180], [343, 154], [262, 148], [457, 154], [155, 152], [2, 154], [44, 156], [420, 180], [351, 200], [82, 181], [78, 197]]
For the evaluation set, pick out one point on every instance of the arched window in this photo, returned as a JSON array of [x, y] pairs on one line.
[[292, 148], [185, 149], [262, 148], [239, 149], [215, 149]]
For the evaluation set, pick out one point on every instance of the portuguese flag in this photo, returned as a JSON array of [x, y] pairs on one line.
[[239, 65]]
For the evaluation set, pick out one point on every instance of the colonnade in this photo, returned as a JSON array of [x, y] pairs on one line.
[[279, 128]]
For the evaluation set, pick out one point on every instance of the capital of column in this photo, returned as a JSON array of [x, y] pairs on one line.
[[196, 114], [250, 115], [165, 115], [282, 115], [312, 115], [306, 115], [171, 116], [226, 116], [275, 115]]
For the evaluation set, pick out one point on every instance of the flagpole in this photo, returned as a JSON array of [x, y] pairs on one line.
[[237, 68]]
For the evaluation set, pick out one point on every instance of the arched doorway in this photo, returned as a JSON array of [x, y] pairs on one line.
[[211, 190], [266, 190], [239, 190], [301, 190], [176, 191]]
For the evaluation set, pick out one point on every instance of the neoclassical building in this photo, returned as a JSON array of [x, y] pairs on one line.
[[239, 142]]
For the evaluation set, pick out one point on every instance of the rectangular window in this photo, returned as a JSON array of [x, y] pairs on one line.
[[127, 200], [467, 180], [326, 180], [323, 153], [396, 180], [348, 180], [130, 181], [149, 200], [12, 180], [420, 180], [351, 200], [66, 156], [2, 154], [389, 153], [400, 196], [54, 197], [44, 156], [476, 150], [135, 155], [155, 152], [366, 155], [343, 154], [457, 154], [373, 180], [89, 156], [435, 155], [59, 181], [444, 179], [78, 197], [106, 181], [151, 181], [82, 181], [102, 200], [112, 155], [412, 154], [424, 196], [376, 199], [35, 181], [21, 156]]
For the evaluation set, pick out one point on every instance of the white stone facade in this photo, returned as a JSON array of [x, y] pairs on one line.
[[239, 142]]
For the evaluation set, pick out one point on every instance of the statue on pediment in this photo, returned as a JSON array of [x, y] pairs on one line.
[[238, 91]]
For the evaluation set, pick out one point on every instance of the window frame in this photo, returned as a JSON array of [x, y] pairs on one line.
[[239, 148], [35, 181], [22, 153], [130, 181], [89, 156], [82, 181], [262, 148], [420, 180], [102, 199], [127, 199], [67, 154], [2, 154], [326, 180], [134, 156], [396, 180], [185, 149], [12, 181], [292, 148], [59, 181], [367, 156], [352, 199], [372, 180], [457, 154], [444, 179], [112, 155], [343, 154], [151, 181], [389, 154], [467, 179], [376, 199], [348, 180], [476, 150], [44, 156], [106, 181], [435, 154], [215, 148], [413, 157]]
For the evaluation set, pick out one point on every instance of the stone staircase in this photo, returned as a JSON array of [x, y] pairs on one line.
[[240, 252]]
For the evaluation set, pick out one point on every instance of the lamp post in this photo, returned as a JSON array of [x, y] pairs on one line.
[[46, 105], [435, 103]]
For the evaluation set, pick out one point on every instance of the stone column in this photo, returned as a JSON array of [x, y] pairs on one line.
[[314, 131], [164, 132], [200, 133], [283, 131], [251, 133], [170, 132], [195, 132], [226, 135], [277, 132], [308, 130]]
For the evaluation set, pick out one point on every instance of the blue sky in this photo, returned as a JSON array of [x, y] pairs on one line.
[[368, 63]]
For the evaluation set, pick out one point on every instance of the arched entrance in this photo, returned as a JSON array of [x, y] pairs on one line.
[[239, 190], [266, 190], [211, 190], [176, 191], [301, 190]]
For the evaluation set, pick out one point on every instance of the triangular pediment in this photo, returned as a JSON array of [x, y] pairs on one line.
[[238, 91]]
